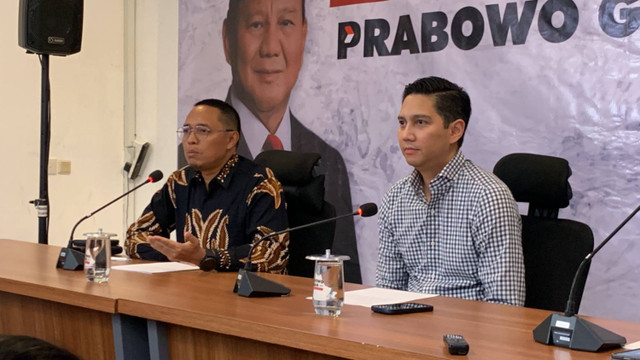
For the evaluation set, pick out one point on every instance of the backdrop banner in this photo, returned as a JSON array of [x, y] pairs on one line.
[[549, 77]]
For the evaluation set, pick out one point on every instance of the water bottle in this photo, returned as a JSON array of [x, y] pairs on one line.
[[328, 283], [97, 256]]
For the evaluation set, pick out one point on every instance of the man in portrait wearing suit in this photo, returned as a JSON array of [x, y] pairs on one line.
[[264, 44]]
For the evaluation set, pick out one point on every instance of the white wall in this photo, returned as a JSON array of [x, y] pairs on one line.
[[121, 86], [86, 122], [156, 84]]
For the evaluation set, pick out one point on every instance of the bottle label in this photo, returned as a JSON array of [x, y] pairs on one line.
[[321, 292]]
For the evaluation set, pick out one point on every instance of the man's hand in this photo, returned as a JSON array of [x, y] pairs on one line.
[[189, 251]]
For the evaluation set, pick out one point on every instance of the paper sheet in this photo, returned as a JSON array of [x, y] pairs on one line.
[[376, 296], [156, 267], [632, 346], [120, 258]]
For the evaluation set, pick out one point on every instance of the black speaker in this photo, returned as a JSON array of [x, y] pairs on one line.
[[51, 27]]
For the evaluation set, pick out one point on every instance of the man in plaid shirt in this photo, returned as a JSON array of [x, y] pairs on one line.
[[450, 227]]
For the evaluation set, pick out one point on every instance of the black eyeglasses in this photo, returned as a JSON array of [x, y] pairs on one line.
[[201, 132]]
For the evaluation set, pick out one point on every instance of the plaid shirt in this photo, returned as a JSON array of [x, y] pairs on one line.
[[243, 203], [465, 242]]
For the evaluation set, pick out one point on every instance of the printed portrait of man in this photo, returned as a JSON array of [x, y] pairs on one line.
[[264, 42]]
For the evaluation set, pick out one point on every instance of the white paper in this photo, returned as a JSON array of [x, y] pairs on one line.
[[632, 346], [156, 267], [120, 258], [376, 296]]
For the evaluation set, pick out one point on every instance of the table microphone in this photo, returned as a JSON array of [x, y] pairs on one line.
[[249, 284], [571, 331], [72, 259]]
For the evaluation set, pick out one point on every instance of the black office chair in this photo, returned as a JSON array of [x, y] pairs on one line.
[[304, 195], [553, 248]]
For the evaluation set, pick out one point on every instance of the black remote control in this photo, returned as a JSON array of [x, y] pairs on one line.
[[457, 344]]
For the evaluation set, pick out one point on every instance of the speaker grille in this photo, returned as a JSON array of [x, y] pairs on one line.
[[51, 26]]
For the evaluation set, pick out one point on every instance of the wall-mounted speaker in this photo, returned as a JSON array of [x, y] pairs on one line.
[[51, 27]]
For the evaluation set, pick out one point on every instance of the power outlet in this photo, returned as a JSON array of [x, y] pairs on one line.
[[52, 167], [64, 167]]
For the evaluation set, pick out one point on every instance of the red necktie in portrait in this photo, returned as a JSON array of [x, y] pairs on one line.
[[272, 142]]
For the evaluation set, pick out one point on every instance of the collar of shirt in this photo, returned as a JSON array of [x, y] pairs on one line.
[[442, 182], [254, 131], [224, 176]]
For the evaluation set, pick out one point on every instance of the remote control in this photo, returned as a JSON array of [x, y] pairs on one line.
[[457, 344]]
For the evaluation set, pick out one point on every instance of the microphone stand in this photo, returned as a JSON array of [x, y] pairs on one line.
[[72, 259], [248, 265], [249, 284], [573, 332]]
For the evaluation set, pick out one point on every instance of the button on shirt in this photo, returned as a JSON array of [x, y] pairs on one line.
[[465, 242]]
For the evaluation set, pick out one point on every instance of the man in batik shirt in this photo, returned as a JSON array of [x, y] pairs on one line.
[[219, 204]]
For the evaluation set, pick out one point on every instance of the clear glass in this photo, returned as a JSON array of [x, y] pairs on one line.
[[328, 283], [328, 287], [97, 257]]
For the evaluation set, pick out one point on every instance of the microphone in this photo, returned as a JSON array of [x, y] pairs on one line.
[[249, 284], [72, 259], [571, 331]]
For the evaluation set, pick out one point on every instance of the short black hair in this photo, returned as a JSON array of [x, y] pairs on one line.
[[230, 118], [451, 101], [234, 5], [27, 347]]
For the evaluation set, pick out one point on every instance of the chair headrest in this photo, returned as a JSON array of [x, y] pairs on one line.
[[295, 170], [290, 167], [536, 179]]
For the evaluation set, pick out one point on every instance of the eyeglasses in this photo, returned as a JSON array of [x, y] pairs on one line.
[[201, 132]]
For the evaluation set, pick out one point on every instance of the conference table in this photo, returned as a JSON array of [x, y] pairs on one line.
[[196, 315]]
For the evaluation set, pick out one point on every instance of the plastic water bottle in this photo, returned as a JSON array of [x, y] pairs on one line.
[[328, 283]]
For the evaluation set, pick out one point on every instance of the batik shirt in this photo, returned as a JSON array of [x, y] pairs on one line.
[[243, 203], [465, 242]]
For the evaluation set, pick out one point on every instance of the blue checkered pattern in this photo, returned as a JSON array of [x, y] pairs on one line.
[[465, 242]]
